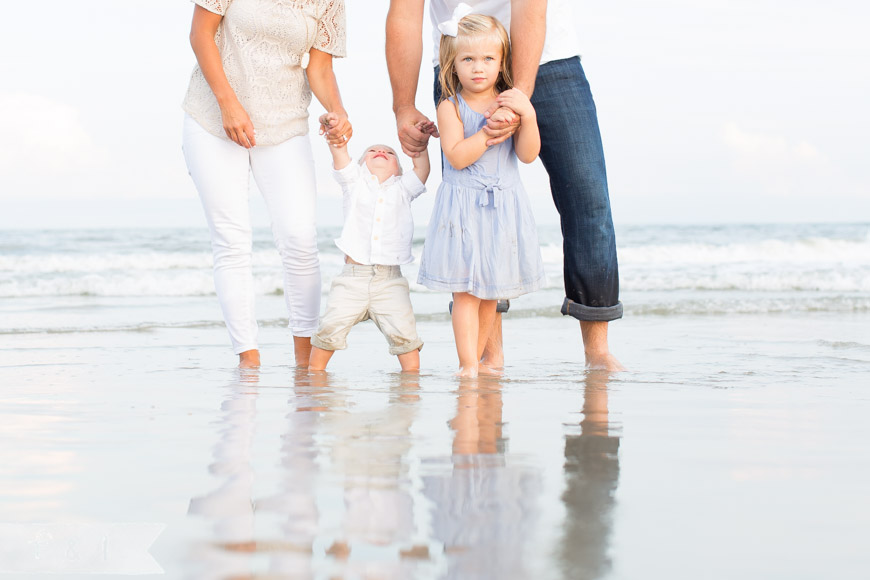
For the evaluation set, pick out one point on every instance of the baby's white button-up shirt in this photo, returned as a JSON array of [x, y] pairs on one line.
[[378, 226]]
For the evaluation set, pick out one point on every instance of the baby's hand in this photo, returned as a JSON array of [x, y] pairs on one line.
[[336, 129], [427, 127], [517, 100]]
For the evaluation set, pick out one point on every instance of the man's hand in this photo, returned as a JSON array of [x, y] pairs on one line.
[[414, 130], [502, 122]]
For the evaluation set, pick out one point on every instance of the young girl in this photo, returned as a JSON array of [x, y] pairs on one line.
[[482, 243]]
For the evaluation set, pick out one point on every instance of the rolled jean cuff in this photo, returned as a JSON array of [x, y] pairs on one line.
[[591, 313]]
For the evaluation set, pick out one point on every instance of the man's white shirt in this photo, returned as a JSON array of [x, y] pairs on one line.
[[378, 225], [561, 41]]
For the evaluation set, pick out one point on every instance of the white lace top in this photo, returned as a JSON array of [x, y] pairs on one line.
[[262, 44]]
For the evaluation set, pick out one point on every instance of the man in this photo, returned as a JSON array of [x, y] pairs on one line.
[[546, 66]]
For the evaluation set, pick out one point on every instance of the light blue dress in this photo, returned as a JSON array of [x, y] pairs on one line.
[[482, 237]]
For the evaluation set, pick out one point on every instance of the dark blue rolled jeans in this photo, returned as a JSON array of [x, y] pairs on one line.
[[574, 159]]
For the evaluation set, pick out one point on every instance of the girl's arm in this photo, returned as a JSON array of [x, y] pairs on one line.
[[321, 79], [237, 123], [527, 139], [459, 151]]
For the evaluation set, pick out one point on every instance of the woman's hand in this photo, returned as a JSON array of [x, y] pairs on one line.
[[336, 129], [236, 122], [238, 125]]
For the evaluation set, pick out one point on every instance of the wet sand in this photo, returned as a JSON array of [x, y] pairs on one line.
[[736, 447]]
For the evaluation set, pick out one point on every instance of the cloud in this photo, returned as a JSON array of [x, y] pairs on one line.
[[777, 165], [47, 138], [755, 148]]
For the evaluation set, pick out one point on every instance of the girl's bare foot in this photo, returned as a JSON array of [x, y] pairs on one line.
[[250, 359], [485, 369], [468, 372]]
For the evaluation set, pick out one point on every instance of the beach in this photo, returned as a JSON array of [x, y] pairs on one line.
[[734, 447]]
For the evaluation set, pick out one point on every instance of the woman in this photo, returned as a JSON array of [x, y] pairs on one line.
[[247, 111]]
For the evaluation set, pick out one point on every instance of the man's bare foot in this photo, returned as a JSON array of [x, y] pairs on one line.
[[302, 350], [603, 362], [595, 346], [250, 359]]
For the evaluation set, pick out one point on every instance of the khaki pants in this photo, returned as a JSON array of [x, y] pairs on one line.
[[360, 293]]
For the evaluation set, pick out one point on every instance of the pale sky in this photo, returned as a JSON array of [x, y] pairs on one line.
[[714, 111]]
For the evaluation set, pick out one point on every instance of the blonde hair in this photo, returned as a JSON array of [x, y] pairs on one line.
[[473, 27]]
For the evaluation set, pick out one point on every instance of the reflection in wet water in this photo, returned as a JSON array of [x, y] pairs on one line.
[[591, 478], [355, 494], [484, 506], [230, 507]]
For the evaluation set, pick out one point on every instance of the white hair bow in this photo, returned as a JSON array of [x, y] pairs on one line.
[[451, 27]]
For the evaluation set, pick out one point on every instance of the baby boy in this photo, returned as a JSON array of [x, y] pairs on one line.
[[376, 240]]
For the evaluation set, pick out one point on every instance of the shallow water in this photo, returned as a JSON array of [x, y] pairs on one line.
[[735, 447]]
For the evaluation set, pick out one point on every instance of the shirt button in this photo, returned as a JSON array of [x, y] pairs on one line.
[[377, 220], [381, 200], [375, 238]]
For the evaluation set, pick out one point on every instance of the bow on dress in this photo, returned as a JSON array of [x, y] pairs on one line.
[[451, 27]]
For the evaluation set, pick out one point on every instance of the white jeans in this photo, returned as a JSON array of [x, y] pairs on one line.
[[285, 176]]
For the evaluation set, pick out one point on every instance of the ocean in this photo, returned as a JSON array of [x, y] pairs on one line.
[[735, 446], [123, 280]]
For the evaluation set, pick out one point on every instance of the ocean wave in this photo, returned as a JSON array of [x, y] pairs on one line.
[[802, 263], [179, 283], [818, 251], [633, 308]]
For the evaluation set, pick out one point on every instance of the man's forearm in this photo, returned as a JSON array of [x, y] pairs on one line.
[[528, 30], [404, 49]]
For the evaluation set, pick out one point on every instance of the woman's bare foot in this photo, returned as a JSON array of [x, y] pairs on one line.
[[250, 359], [302, 350]]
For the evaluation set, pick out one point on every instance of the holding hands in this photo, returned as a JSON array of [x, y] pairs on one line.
[[336, 129], [505, 115], [414, 130], [517, 101]]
